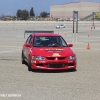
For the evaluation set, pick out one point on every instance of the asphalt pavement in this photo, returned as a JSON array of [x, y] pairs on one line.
[[17, 83]]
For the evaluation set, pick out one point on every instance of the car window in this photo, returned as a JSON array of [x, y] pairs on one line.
[[63, 42], [29, 39], [46, 41], [36, 41]]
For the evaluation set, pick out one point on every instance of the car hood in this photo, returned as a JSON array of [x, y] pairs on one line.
[[52, 51]]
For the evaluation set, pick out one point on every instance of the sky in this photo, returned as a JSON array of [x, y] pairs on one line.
[[10, 7]]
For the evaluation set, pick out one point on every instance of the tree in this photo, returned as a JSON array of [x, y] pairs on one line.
[[22, 14], [25, 15], [32, 12], [43, 14], [19, 14]]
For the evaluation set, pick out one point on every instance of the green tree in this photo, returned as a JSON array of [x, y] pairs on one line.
[[32, 12], [43, 14], [19, 14], [25, 15], [22, 14]]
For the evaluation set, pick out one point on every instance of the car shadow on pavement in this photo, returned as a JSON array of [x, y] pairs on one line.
[[53, 71]]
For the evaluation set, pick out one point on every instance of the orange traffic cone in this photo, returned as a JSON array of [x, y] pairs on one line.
[[91, 28], [88, 46]]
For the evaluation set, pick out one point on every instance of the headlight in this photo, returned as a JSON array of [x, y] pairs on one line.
[[38, 57], [71, 57]]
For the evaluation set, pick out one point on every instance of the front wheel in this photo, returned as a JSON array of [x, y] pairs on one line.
[[23, 61], [73, 70], [29, 64]]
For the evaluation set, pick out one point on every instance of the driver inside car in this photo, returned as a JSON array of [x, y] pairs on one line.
[[55, 42], [51, 42]]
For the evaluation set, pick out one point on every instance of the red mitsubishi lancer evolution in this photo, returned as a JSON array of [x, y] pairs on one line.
[[48, 51]]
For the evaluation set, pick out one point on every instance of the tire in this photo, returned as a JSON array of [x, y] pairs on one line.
[[73, 70], [29, 64], [23, 61]]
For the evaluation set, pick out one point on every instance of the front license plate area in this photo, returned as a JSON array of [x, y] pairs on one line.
[[55, 65]]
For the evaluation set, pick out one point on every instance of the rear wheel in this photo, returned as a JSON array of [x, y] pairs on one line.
[[23, 61], [29, 64]]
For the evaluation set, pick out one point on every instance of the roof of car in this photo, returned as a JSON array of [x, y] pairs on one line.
[[45, 34]]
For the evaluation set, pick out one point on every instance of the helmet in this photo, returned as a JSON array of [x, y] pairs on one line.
[[37, 40]]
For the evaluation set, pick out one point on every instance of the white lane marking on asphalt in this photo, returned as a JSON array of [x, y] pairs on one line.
[[20, 36], [84, 43], [97, 29], [84, 49], [95, 36], [89, 37], [10, 46], [89, 40], [9, 51]]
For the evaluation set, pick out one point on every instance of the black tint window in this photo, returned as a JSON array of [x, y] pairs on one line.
[[28, 39]]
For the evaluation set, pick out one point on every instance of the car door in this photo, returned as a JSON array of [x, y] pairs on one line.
[[29, 41]]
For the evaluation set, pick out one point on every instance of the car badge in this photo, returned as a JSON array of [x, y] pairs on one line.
[[56, 54]]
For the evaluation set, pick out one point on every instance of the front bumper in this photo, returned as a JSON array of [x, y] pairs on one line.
[[54, 65]]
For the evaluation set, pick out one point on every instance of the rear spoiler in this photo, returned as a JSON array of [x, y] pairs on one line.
[[28, 32]]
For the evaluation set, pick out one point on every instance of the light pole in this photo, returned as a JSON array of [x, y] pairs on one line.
[[93, 18]]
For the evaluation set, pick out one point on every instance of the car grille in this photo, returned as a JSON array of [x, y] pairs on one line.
[[50, 58], [61, 58], [53, 58], [56, 65]]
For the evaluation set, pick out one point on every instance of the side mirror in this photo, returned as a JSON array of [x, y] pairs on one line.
[[27, 45], [70, 45]]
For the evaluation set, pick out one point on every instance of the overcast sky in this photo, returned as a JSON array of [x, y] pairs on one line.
[[10, 7]]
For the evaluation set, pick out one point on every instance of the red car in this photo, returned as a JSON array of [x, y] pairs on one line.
[[48, 51]]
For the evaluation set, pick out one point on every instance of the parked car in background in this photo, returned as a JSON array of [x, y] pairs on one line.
[[60, 26]]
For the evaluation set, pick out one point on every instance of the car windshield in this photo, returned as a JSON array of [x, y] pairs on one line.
[[49, 41]]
